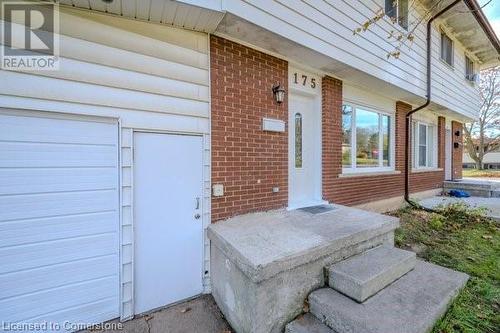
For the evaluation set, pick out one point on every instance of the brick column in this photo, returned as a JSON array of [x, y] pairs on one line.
[[401, 110], [457, 153], [331, 134], [441, 141]]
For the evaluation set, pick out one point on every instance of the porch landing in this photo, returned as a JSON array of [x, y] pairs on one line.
[[264, 244], [264, 265]]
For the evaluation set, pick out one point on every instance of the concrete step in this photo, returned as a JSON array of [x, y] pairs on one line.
[[495, 194], [307, 324], [362, 276], [412, 304], [476, 188]]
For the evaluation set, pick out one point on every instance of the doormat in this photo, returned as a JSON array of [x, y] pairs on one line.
[[320, 209]]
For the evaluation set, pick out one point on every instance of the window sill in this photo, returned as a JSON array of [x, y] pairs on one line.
[[368, 173], [452, 67], [418, 170], [472, 83]]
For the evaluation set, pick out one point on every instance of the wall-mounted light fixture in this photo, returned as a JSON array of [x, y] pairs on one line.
[[457, 133], [279, 93]]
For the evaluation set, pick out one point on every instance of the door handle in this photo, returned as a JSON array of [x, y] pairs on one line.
[[197, 216], [197, 203]]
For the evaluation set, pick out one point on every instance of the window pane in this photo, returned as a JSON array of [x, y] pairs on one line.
[[430, 145], [422, 156], [469, 69], [446, 49], [390, 8], [386, 130], [346, 136], [422, 135], [403, 13], [367, 138], [298, 140]]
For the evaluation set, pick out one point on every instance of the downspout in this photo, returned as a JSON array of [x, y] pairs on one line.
[[427, 102]]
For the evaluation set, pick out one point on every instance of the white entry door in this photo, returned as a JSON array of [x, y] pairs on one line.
[[303, 152], [168, 226], [447, 155]]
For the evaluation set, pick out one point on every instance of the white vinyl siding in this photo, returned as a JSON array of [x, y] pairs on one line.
[[327, 27], [146, 76]]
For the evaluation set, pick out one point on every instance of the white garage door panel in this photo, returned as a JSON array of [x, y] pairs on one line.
[[53, 228], [24, 282], [45, 205], [24, 181], [22, 155], [47, 301], [25, 257], [59, 219], [94, 312]]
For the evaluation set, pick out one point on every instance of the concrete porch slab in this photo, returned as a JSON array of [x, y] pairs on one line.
[[263, 265], [492, 205], [264, 244]]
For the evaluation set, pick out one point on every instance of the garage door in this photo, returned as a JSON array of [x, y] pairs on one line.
[[59, 220]]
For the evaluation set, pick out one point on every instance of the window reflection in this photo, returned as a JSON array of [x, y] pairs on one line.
[[386, 130], [298, 140], [367, 138], [346, 136]]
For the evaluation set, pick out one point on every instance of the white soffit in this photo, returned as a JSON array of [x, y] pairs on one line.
[[167, 12]]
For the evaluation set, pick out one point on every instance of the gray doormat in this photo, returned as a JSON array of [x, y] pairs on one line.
[[320, 209]]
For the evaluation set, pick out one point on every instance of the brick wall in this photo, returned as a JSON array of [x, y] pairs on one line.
[[250, 162], [246, 160], [457, 153], [360, 189]]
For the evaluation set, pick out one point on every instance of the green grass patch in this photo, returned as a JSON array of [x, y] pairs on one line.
[[462, 239]]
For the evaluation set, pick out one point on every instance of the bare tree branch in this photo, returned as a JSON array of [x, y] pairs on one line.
[[483, 135]]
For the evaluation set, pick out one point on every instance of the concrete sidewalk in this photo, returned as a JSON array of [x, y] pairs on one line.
[[200, 315], [492, 205]]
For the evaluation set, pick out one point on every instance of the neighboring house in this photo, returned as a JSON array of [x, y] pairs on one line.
[[490, 161], [165, 109]]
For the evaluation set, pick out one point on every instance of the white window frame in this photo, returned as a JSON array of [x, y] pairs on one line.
[[452, 50], [470, 76], [397, 6], [392, 137], [431, 142]]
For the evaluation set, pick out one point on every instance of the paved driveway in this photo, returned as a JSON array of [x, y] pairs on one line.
[[200, 315]]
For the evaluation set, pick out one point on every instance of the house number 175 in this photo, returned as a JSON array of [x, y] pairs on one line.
[[303, 79]]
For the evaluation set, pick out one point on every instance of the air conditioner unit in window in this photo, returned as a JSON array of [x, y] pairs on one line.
[[472, 77]]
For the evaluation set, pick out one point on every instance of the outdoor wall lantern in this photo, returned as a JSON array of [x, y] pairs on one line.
[[279, 93]]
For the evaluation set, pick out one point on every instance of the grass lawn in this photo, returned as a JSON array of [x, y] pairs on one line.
[[481, 173], [466, 241]]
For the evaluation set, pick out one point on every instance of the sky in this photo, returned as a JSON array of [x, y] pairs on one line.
[[492, 12]]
